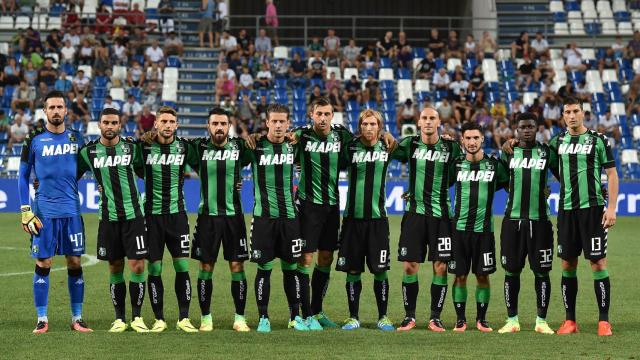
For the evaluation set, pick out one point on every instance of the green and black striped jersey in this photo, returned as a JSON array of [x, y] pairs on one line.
[[431, 173], [164, 168], [319, 158], [581, 159], [476, 183], [367, 172], [219, 170], [528, 173], [272, 166], [115, 168]]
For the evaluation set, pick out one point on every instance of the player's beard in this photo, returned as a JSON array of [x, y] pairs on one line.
[[110, 135], [219, 137], [56, 121], [166, 135]]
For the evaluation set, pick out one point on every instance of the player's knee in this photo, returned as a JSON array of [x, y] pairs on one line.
[[325, 258], [208, 267], [306, 259], [155, 268], [599, 265], [44, 263], [181, 265], [440, 268], [136, 266], [234, 266], [483, 279], [570, 265], [410, 268], [73, 262], [460, 280], [116, 266]]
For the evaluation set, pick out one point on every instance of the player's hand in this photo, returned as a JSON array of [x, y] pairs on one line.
[[447, 137], [389, 141], [292, 138], [251, 140], [150, 136], [547, 192], [100, 189], [509, 145], [30, 222], [609, 217], [239, 186], [36, 185]]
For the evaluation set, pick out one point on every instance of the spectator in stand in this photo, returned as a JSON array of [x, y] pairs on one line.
[[369, 57], [166, 14], [336, 99], [30, 74], [608, 61], [573, 58], [73, 35], [63, 84], [246, 110], [315, 94], [153, 73], [331, 82], [81, 83], [609, 125], [470, 48], [633, 47], [263, 77], [441, 79], [261, 110], [516, 107], [173, 45], [110, 104], [5, 122], [407, 115], [502, 133], [221, 22], [68, 53], [147, 119], [520, 47], [136, 17], [297, 70], [228, 43], [223, 68], [482, 118], [151, 96], [245, 44], [17, 132], [263, 45], [53, 43], [386, 46], [79, 110], [135, 75], [317, 68], [331, 43], [524, 74], [458, 84], [405, 53], [552, 112], [315, 46], [23, 97], [271, 19], [426, 67], [539, 46], [246, 80], [47, 73], [488, 46], [33, 39], [476, 80], [88, 35], [120, 52], [103, 20], [352, 90], [120, 8], [101, 62], [131, 110], [206, 22], [498, 109], [8, 7], [235, 63], [462, 107], [282, 69], [371, 90], [154, 53], [454, 48], [543, 135], [567, 90], [435, 43], [136, 41], [225, 87], [70, 18], [350, 55], [590, 121], [618, 47], [445, 111], [86, 54]]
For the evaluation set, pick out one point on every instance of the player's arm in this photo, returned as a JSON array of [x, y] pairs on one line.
[[83, 163], [502, 173], [138, 159], [193, 157], [608, 162], [456, 152], [554, 161], [504, 163], [401, 152], [246, 154], [30, 222]]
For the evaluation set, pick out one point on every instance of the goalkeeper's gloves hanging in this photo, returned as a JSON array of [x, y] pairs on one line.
[[30, 222]]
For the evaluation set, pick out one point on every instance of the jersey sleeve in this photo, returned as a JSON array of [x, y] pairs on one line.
[[343, 162], [138, 161], [502, 175], [83, 162], [345, 135], [605, 154], [246, 155], [401, 153], [554, 161], [192, 153], [27, 158]]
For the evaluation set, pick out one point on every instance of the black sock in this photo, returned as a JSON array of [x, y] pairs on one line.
[[438, 296], [353, 297], [543, 293], [410, 297], [319, 285], [136, 293], [461, 309], [511, 291], [569, 293], [183, 293], [156, 295], [205, 292], [262, 287], [118, 295], [292, 290], [603, 297], [239, 294], [305, 294], [481, 309], [381, 289]]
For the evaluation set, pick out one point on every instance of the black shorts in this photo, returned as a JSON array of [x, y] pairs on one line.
[[472, 251], [364, 240], [212, 231], [520, 239], [120, 239], [582, 230], [319, 225], [172, 230], [421, 233], [275, 238]]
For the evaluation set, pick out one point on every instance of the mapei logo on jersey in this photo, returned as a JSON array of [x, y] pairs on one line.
[[369, 156], [476, 175], [276, 159], [110, 161], [575, 149], [165, 159], [322, 147], [538, 164], [59, 149], [431, 155], [214, 155]]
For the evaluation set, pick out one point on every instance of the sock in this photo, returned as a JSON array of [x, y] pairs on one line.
[[305, 290], [136, 292], [205, 290], [381, 289], [291, 288], [511, 291], [182, 287], [438, 295], [410, 290], [156, 289], [354, 288], [569, 285], [262, 287], [239, 291], [460, 301], [602, 287], [75, 282], [319, 285], [118, 291], [41, 292], [543, 293], [483, 294]]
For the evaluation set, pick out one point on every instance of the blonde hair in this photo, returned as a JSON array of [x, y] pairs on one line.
[[368, 113]]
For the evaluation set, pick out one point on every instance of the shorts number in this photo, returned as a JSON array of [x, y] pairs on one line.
[[140, 242], [383, 256], [243, 244], [596, 244], [444, 244], [296, 246], [76, 239], [546, 254], [488, 259], [184, 243]]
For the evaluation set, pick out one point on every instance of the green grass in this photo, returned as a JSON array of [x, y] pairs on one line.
[[17, 315]]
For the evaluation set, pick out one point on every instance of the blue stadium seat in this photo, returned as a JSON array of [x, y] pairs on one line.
[[299, 118], [439, 63], [387, 84], [592, 28], [298, 50], [78, 126], [7, 96], [280, 83], [419, 52], [571, 5], [69, 69], [440, 94], [422, 96], [130, 127], [97, 103], [352, 106], [622, 16], [100, 82], [403, 73], [314, 82], [136, 92], [385, 62], [170, 104], [138, 58], [388, 94], [299, 105], [560, 17], [299, 93], [371, 104], [388, 105], [173, 61]]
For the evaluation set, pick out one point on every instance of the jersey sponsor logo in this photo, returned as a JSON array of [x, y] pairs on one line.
[[538, 164], [214, 155], [276, 159], [59, 149], [322, 147], [110, 161], [165, 159], [431, 155], [575, 149], [369, 156], [473, 175]]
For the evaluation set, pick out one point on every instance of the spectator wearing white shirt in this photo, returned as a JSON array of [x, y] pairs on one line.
[[110, 104], [228, 42], [618, 47], [551, 113], [573, 58], [350, 55], [441, 79], [154, 53], [609, 125], [331, 43], [246, 80], [539, 46], [590, 121], [263, 44], [131, 110], [154, 73], [543, 135], [68, 53], [81, 83], [17, 132], [458, 84], [263, 77], [223, 68]]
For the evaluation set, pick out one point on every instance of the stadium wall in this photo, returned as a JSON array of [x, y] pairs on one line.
[[628, 199]]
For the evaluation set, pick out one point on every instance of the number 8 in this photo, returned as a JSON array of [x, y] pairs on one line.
[[383, 256]]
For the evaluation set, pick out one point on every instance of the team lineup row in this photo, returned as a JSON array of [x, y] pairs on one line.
[[293, 226]]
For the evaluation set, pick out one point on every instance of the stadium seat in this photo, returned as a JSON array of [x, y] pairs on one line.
[[617, 109], [609, 75], [418, 52], [348, 72], [405, 90], [23, 22], [87, 70], [561, 28], [280, 52], [385, 62], [576, 27], [609, 27], [334, 70], [503, 54], [338, 119], [6, 23], [589, 15], [119, 73], [385, 74], [574, 15], [117, 94], [594, 82], [13, 164], [556, 6], [625, 28], [452, 63], [40, 22], [489, 70], [528, 98], [54, 22], [172, 61], [404, 73], [422, 85]]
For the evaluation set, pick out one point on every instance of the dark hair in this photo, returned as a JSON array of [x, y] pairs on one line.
[[167, 110], [109, 111], [321, 101], [277, 108], [526, 116], [571, 101], [471, 125], [218, 111], [53, 94]]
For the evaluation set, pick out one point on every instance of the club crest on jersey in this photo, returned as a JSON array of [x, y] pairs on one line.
[[256, 254], [490, 166], [179, 148], [369, 156], [588, 140], [452, 265], [342, 261], [542, 152], [72, 137], [403, 251], [102, 251], [125, 148]]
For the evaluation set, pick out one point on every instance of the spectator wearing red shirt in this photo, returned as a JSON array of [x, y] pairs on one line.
[[271, 18], [103, 20], [136, 17], [147, 119]]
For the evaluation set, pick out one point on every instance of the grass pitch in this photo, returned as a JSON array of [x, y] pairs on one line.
[[17, 315]]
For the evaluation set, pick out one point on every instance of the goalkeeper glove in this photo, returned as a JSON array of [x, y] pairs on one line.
[[30, 222]]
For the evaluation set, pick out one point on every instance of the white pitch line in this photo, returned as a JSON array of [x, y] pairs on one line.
[[92, 261]]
